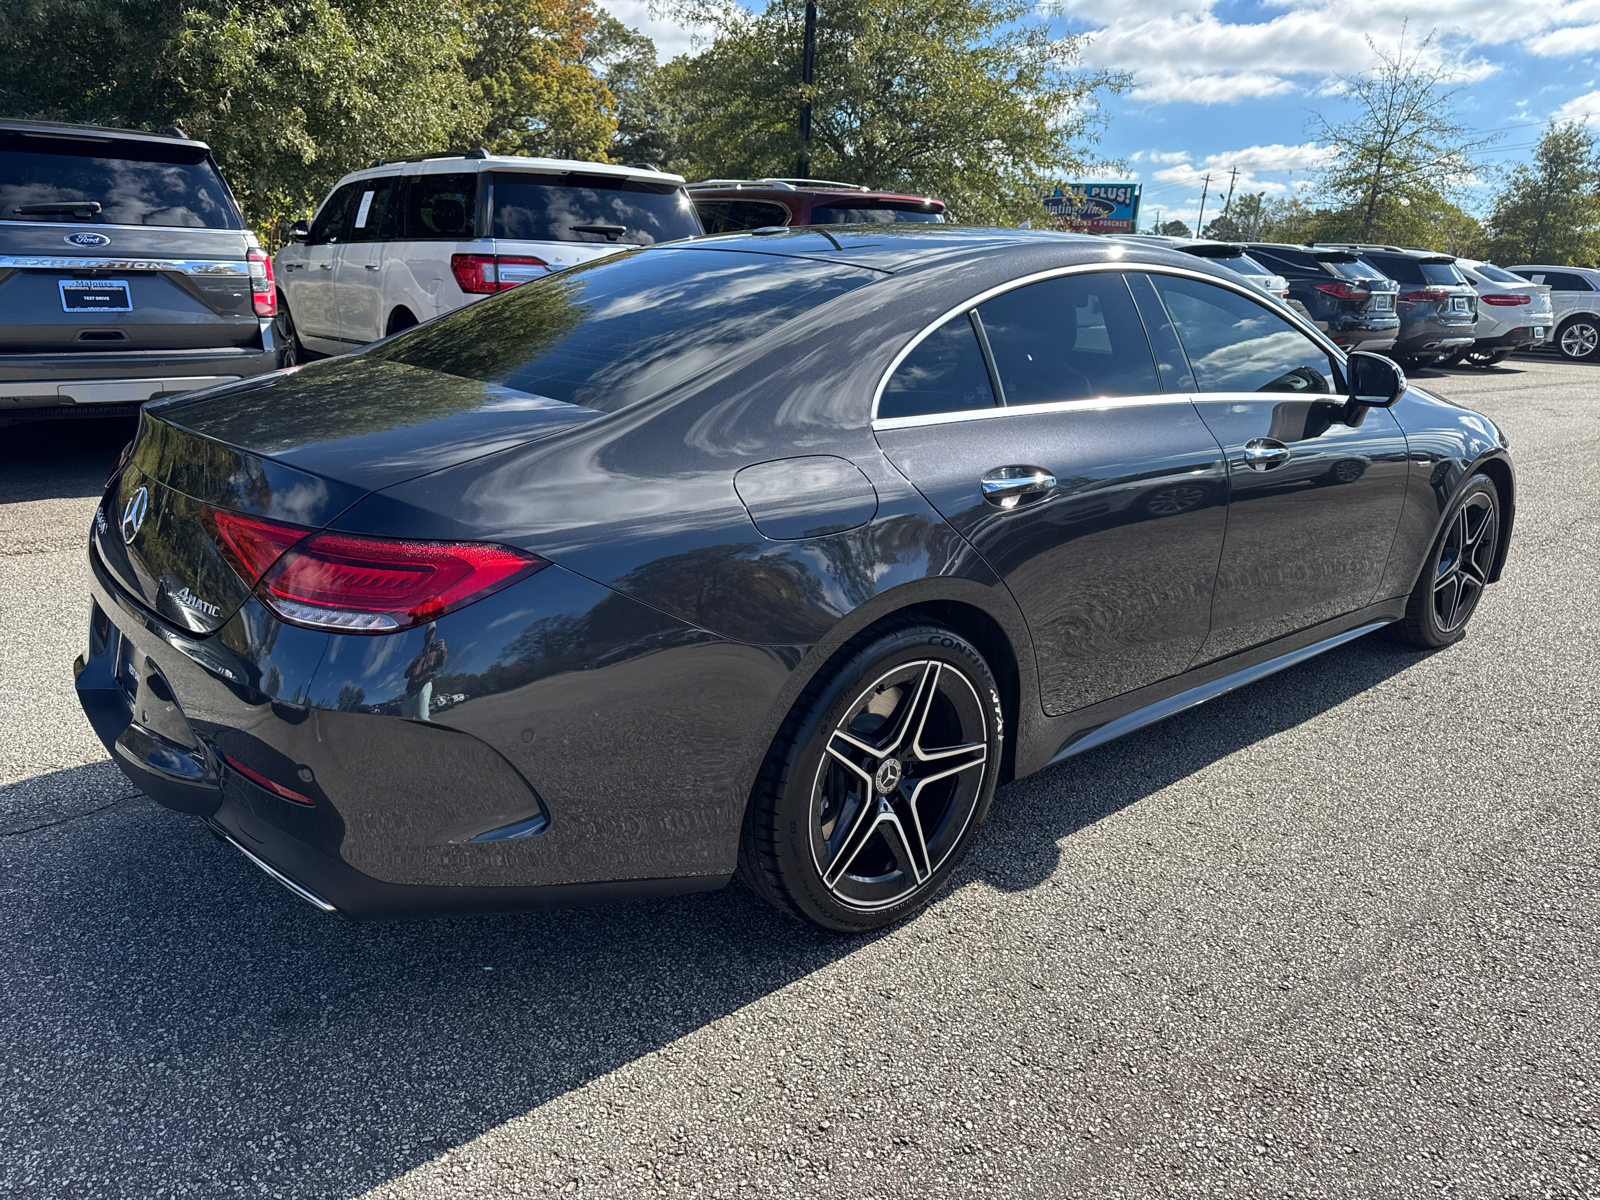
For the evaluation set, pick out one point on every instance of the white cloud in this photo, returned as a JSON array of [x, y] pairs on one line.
[[1584, 109], [671, 38], [1574, 40], [1160, 156]]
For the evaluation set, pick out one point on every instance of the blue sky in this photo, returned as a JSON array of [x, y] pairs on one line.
[[1236, 83]]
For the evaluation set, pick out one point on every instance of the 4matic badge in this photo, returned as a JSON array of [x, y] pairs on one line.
[[189, 600]]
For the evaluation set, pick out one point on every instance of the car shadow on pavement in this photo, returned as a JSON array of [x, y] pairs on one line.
[[50, 460], [174, 1020]]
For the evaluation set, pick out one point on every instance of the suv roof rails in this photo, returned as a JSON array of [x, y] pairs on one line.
[[779, 184], [480, 152]]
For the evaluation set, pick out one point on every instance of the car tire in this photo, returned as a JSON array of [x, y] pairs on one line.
[[1455, 358], [1457, 570], [290, 352], [878, 780], [1485, 358], [1578, 339]]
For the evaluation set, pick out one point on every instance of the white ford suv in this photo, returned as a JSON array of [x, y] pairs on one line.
[[408, 239], [1575, 298]]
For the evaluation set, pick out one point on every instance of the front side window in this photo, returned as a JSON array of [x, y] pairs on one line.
[[600, 209], [373, 218], [442, 207], [1070, 338], [945, 373], [1236, 345], [333, 218], [132, 183]]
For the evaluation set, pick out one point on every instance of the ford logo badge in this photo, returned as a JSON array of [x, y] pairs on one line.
[[86, 238]]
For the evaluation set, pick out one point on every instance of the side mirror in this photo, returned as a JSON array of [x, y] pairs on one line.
[[301, 231], [1375, 381]]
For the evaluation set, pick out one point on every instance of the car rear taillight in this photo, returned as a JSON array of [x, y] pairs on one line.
[[260, 780], [122, 461], [1342, 290], [263, 292], [361, 584], [1427, 295], [483, 273], [1505, 301], [251, 544]]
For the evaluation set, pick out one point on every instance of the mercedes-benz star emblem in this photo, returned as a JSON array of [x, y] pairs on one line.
[[888, 775], [133, 514]]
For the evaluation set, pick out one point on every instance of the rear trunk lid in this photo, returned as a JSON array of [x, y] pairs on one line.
[[297, 446]]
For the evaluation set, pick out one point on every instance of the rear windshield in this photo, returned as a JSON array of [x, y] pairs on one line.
[[1497, 274], [1360, 269], [590, 208], [134, 183], [1242, 264], [612, 333], [869, 214], [1410, 270]]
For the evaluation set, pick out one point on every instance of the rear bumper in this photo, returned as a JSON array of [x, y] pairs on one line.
[[1514, 339], [99, 380], [1436, 345]]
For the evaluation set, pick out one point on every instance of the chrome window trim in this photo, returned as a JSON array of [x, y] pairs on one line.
[[183, 266], [1255, 295]]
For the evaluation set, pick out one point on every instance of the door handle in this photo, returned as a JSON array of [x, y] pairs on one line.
[[373, 266], [1262, 454], [1005, 487], [325, 266]]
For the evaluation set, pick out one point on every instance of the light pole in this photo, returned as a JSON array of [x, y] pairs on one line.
[[808, 65]]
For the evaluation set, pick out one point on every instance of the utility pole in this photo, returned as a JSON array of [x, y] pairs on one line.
[[808, 70], [1201, 223], [1229, 200]]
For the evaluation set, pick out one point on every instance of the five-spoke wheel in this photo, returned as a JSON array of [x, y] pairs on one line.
[[1458, 569], [879, 780]]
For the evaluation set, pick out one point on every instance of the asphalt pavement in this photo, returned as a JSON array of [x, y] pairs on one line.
[[1333, 935]]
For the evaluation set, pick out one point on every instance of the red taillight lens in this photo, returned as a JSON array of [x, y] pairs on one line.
[[485, 273], [260, 780], [380, 585], [251, 544], [1342, 290], [1505, 301], [263, 292], [1427, 294]]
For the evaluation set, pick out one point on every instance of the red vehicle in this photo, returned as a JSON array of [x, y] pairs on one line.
[[735, 205]]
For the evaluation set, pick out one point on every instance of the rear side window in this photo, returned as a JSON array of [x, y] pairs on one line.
[[1497, 274], [615, 332], [591, 208], [1565, 281], [945, 373], [134, 183], [1069, 339], [869, 214], [736, 216], [441, 207]]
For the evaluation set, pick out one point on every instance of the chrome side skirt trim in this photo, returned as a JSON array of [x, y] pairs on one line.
[[305, 894], [1172, 705]]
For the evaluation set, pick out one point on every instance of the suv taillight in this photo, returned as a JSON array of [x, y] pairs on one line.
[[1342, 290], [358, 584], [481, 273], [1505, 301], [263, 292], [1427, 295]]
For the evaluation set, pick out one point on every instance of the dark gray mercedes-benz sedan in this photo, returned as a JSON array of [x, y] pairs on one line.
[[769, 555], [126, 273]]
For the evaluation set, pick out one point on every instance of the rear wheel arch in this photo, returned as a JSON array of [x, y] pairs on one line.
[[400, 318], [1499, 473]]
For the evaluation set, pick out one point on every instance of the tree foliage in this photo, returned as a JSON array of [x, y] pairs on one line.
[[972, 101], [1548, 211], [1403, 146]]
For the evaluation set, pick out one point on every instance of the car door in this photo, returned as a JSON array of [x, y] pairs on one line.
[[1037, 426], [359, 273], [1314, 496], [312, 293]]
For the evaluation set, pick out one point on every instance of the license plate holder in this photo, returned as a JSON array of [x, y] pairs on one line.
[[95, 295], [1458, 304], [1382, 302]]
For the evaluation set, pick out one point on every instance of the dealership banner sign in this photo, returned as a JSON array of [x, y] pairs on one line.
[[1095, 207]]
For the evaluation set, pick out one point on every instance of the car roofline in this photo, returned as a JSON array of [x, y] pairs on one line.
[[68, 131], [481, 160]]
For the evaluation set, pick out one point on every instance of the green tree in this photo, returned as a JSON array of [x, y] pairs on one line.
[[1403, 145], [1172, 229], [971, 101], [1548, 211], [647, 124], [527, 66]]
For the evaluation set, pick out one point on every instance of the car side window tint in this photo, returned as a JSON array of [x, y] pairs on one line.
[[442, 207], [734, 216], [334, 217], [1236, 345], [373, 219], [945, 373], [1565, 282], [1070, 338]]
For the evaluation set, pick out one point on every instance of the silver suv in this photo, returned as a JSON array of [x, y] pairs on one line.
[[126, 273], [1575, 307], [406, 240]]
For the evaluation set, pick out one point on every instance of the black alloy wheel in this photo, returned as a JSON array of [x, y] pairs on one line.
[[1452, 583], [877, 783], [1578, 339], [290, 352]]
